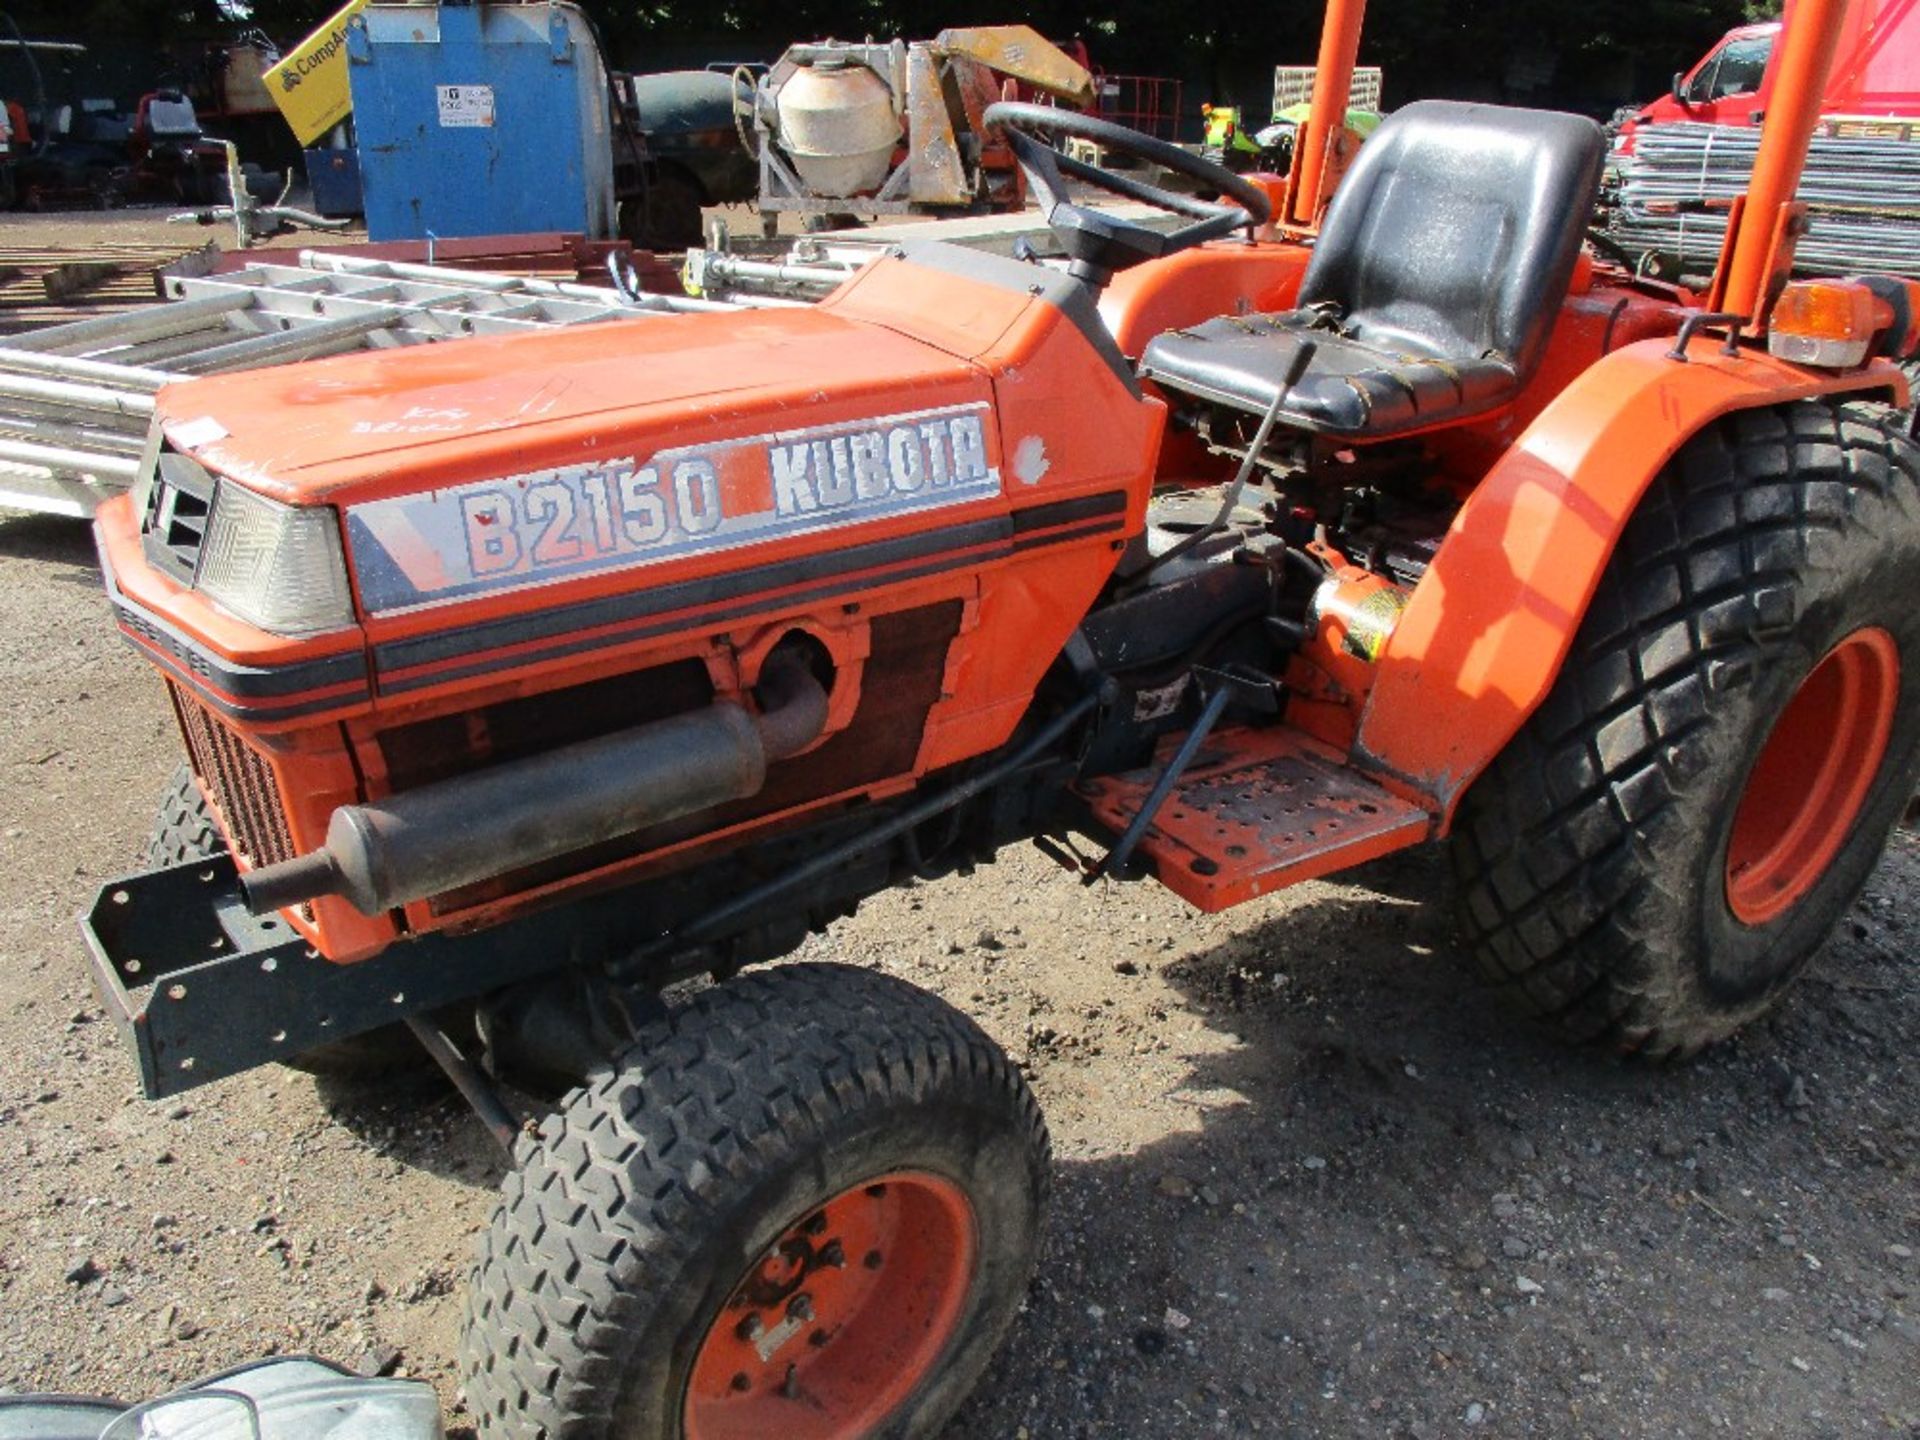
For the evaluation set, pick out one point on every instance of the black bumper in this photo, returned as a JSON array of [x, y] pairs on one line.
[[201, 990]]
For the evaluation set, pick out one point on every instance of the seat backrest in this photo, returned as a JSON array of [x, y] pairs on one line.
[[1456, 230], [170, 116]]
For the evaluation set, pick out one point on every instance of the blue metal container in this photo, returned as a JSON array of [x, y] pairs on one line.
[[480, 120], [334, 178]]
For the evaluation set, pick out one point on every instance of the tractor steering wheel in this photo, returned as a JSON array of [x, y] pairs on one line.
[[1096, 243]]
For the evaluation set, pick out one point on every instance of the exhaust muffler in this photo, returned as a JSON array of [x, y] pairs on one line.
[[457, 832]]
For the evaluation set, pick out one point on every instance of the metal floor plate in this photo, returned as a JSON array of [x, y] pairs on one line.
[[1259, 810]]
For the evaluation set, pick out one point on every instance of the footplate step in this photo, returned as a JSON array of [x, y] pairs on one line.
[[1258, 810]]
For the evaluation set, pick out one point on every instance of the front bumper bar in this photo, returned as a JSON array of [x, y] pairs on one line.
[[201, 990]]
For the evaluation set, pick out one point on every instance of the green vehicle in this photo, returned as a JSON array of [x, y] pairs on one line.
[[1271, 148]]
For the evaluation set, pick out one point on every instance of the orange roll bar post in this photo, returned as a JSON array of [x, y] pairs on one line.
[[1752, 265], [1327, 121]]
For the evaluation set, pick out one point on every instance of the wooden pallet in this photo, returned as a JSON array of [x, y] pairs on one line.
[[54, 285]]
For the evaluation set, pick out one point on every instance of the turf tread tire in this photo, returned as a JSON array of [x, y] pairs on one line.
[[611, 1206], [1586, 853], [183, 829]]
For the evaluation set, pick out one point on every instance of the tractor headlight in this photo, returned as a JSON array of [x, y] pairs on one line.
[[276, 566]]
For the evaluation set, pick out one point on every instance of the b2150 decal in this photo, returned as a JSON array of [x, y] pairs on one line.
[[547, 525]]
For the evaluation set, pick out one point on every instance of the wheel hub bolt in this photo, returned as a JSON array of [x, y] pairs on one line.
[[800, 1307], [749, 1328], [834, 1253], [742, 1383]]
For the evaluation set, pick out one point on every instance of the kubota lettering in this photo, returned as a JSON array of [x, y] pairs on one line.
[[793, 479], [903, 459], [573, 519], [836, 477], [870, 465]]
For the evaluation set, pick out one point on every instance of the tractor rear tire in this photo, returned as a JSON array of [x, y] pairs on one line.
[[806, 1202], [1671, 837], [183, 830]]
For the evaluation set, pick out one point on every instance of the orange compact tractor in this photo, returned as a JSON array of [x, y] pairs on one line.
[[521, 679]]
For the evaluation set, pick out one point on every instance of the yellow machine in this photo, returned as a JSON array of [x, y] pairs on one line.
[[310, 84]]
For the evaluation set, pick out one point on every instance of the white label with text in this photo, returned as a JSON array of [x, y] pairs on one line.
[[552, 524]]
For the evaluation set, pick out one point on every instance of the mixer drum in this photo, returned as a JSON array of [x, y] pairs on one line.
[[837, 125]]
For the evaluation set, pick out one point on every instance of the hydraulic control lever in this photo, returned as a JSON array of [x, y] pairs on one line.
[[1239, 683]]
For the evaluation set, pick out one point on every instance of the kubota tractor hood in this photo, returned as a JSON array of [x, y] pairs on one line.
[[371, 425], [655, 452]]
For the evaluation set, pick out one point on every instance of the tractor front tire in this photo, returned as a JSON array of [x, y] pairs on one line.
[[1670, 838], [805, 1203], [183, 830], [183, 827]]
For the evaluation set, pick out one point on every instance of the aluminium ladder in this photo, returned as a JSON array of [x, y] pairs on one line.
[[77, 401]]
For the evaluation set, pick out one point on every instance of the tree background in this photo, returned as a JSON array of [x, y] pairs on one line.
[[1588, 55]]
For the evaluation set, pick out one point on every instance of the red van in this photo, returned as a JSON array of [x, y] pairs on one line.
[[1875, 77]]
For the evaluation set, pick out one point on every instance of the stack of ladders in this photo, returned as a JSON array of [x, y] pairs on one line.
[[1861, 187], [76, 400]]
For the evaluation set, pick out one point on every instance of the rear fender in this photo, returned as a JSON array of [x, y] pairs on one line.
[[1490, 623]]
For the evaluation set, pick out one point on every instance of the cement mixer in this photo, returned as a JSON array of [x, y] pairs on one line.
[[894, 127]]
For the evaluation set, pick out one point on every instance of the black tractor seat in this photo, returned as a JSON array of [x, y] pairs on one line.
[[1433, 286]]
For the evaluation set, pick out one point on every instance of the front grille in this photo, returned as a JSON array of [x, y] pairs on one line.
[[175, 525], [239, 781]]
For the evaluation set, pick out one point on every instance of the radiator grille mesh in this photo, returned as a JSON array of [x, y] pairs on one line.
[[239, 780]]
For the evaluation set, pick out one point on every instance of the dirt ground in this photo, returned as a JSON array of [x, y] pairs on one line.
[[148, 225], [138, 225], [1311, 1179]]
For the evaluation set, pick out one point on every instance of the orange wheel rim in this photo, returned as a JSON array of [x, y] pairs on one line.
[[837, 1322], [1813, 776]]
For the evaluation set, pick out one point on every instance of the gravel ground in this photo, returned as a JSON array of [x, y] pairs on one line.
[[1311, 1179]]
